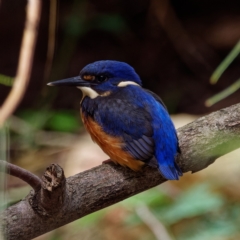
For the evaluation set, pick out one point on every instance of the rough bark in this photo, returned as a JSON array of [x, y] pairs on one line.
[[201, 143]]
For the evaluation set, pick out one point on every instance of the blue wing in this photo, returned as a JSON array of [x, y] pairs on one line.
[[119, 117], [158, 99], [166, 140]]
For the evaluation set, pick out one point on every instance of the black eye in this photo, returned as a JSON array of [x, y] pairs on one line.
[[102, 78]]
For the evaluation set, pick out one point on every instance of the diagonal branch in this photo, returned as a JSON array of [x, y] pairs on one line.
[[201, 143]]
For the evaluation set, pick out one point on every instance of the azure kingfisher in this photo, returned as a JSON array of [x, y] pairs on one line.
[[131, 124]]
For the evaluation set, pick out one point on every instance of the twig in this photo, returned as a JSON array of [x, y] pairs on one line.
[[158, 229], [25, 60], [26, 176]]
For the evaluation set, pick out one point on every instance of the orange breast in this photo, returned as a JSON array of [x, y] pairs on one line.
[[112, 146]]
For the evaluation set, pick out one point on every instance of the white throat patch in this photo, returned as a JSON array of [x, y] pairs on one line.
[[87, 91], [126, 83]]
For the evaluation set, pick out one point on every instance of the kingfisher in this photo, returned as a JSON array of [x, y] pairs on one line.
[[130, 123]]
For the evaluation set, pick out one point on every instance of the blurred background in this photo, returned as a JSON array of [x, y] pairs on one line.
[[175, 46]]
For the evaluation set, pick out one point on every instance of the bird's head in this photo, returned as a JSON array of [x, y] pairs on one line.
[[101, 77]]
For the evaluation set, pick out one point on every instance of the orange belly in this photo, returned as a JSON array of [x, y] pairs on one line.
[[112, 146]]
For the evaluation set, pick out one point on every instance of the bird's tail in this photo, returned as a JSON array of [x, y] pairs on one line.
[[172, 172]]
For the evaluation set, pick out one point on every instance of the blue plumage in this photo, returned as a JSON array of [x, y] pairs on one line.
[[114, 99], [114, 70]]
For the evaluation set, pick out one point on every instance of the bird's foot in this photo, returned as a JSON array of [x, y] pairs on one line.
[[107, 161]]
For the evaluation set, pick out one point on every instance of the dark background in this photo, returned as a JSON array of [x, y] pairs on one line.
[[174, 55]]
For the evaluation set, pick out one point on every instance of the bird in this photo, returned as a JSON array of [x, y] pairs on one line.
[[131, 124]]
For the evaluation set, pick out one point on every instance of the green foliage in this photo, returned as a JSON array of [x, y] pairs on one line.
[[218, 73], [225, 63], [211, 228], [65, 121], [152, 197], [61, 120], [225, 93], [36, 119], [6, 80], [30, 125], [90, 220], [194, 202]]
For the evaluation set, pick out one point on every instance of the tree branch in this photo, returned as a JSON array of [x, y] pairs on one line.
[[201, 143]]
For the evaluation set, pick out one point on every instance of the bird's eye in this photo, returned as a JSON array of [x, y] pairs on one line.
[[102, 78]]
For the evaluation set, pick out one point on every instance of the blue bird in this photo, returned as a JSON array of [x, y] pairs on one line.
[[131, 124]]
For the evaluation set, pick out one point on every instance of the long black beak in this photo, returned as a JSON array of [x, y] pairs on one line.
[[74, 81]]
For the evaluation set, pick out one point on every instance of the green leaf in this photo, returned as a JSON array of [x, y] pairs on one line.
[[225, 93], [225, 63]]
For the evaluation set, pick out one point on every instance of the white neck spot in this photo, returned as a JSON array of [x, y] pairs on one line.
[[87, 91], [126, 83]]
